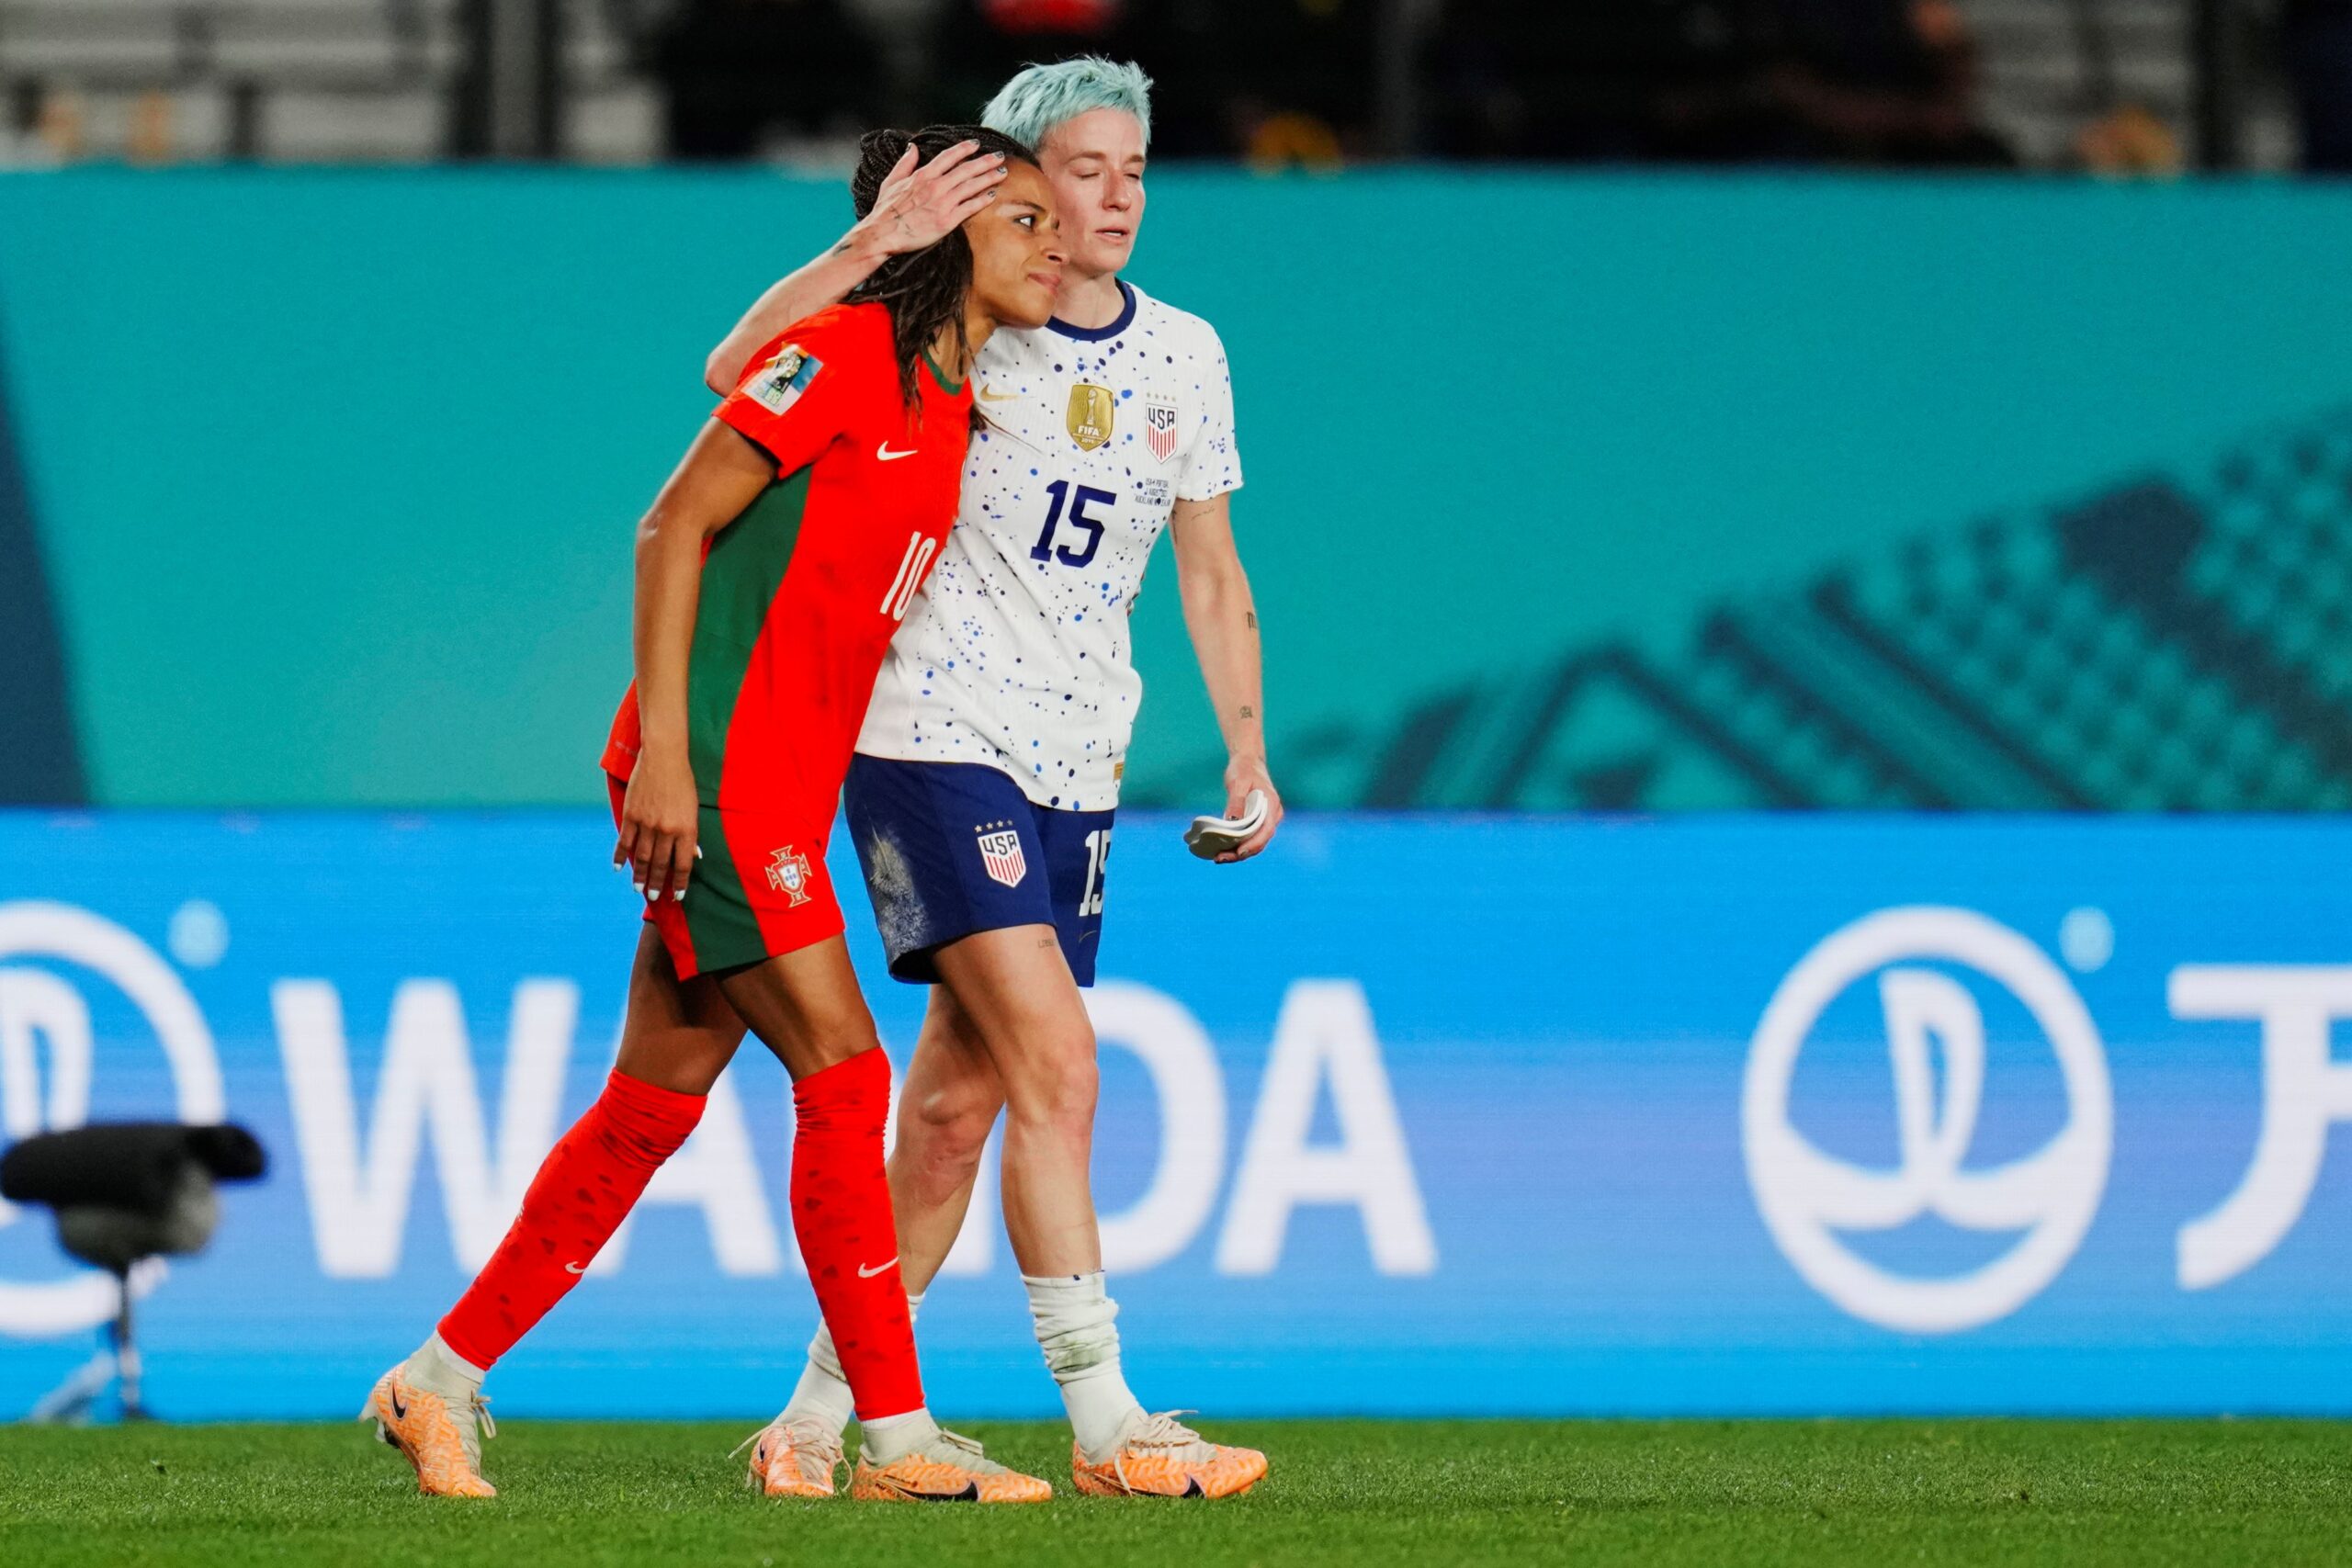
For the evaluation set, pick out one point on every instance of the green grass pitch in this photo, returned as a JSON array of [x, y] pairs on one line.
[[577, 1493]]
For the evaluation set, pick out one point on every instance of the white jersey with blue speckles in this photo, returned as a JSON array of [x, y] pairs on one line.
[[1015, 653]]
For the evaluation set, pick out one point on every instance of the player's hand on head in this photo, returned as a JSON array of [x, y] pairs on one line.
[[659, 817], [1244, 775], [917, 207]]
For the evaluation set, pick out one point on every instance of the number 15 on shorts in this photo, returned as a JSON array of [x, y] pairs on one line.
[[1098, 859]]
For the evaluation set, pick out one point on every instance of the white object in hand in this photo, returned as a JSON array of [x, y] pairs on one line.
[[1210, 837]]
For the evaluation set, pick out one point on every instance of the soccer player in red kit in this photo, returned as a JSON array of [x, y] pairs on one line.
[[771, 573]]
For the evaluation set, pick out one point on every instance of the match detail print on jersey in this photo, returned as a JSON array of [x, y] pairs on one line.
[[1014, 655]]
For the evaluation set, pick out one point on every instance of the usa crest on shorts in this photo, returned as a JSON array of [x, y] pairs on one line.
[[1001, 853], [1159, 428]]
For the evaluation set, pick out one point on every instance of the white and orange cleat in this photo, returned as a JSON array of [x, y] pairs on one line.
[[794, 1459], [947, 1469], [1159, 1456], [442, 1439]]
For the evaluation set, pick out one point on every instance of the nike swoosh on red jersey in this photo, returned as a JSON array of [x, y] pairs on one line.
[[866, 1273], [883, 454]]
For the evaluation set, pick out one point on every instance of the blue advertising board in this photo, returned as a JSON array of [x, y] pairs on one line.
[[1413, 1115]]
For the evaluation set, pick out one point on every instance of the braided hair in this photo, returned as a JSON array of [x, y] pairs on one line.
[[924, 290]]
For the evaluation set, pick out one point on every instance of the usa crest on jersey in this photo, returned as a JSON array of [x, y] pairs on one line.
[[1001, 853], [1160, 427]]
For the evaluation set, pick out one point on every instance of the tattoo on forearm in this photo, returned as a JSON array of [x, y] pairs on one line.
[[1251, 616], [842, 248], [1248, 712]]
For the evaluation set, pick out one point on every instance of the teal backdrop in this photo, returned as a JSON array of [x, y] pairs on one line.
[[1605, 491]]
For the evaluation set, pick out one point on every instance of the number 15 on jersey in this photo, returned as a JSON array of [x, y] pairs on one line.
[[1087, 496]]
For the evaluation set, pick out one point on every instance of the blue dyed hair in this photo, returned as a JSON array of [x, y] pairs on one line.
[[1041, 97]]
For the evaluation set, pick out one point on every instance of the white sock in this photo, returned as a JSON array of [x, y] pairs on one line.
[[888, 1438], [437, 1369], [822, 1395], [1074, 1316]]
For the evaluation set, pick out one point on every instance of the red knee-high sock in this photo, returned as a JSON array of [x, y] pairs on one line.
[[840, 1211], [590, 1181]]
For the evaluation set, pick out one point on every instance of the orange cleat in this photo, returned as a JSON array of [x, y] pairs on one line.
[[442, 1443], [947, 1469], [1161, 1456], [794, 1459]]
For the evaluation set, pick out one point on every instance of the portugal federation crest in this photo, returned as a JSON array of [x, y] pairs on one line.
[[788, 874], [1159, 428], [1092, 415], [1001, 853]]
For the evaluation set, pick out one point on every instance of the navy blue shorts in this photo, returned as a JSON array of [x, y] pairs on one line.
[[954, 848]]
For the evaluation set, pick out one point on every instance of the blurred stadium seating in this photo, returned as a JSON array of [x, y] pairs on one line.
[[2122, 83], [295, 81]]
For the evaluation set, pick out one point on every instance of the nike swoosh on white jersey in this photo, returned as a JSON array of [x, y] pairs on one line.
[[883, 454], [991, 395], [866, 1273]]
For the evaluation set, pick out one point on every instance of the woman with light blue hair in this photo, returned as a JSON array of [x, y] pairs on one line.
[[983, 796]]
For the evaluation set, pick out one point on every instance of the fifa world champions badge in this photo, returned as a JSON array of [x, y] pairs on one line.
[[788, 874], [1001, 853], [1091, 413]]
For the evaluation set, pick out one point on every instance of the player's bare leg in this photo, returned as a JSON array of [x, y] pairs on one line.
[[947, 1106], [1014, 987], [1009, 993]]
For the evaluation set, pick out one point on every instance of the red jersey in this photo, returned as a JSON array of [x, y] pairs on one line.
[[801, 593]]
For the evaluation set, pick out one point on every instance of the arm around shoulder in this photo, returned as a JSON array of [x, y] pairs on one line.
[[915, 210]]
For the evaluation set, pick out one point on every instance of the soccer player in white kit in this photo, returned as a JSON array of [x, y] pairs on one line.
[[982, 798]]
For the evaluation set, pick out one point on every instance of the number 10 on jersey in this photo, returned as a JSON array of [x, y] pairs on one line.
[[911, 566]]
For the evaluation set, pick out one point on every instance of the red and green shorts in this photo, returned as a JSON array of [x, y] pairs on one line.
[[760, 889]]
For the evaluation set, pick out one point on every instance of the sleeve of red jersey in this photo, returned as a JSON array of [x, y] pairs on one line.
[[795, 395]]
